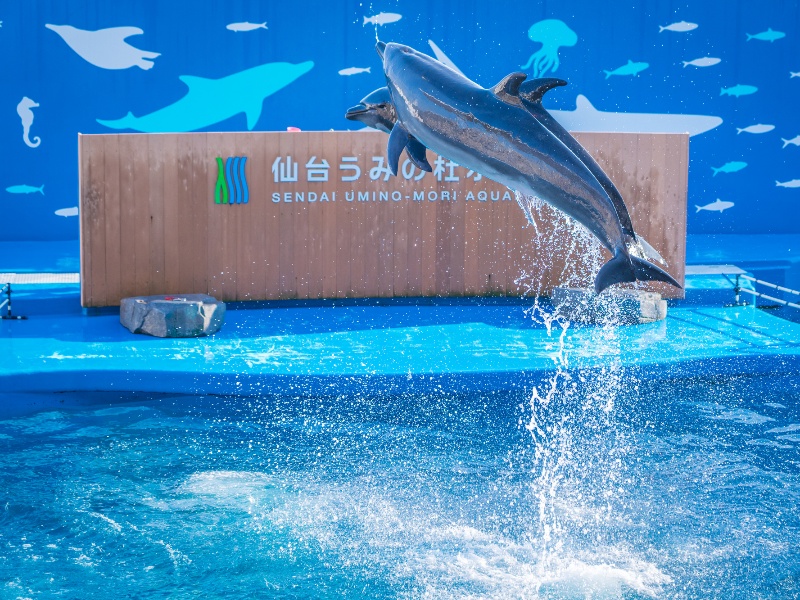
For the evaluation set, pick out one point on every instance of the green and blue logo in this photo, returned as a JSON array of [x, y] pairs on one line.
[[231, 185]]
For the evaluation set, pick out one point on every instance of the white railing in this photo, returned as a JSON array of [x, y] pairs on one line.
[[739, 289]]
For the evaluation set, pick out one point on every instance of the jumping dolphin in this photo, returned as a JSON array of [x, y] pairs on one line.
[[496, 132], [210, 101], [377, 111]]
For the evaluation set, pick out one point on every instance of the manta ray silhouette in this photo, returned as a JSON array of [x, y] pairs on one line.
[[211, 101]]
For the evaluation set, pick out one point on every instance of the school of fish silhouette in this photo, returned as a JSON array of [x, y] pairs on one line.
[[505, 134]]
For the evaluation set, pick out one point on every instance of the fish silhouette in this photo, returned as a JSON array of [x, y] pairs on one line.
[[738, 90], [718, 205], [730, 167], [67, 212], [26, 116], [25, 189], [245, 26], [632, 68], [355, 70], [794, 183], [211, 101], [767, 36], [760, 128], [795, 140], [706, 61], [383, 18], [680, 27], [106, 48], [793, 74]]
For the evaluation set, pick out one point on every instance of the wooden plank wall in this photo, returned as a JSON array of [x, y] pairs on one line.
[[149, 223]]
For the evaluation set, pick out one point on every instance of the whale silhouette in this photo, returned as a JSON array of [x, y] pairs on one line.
[[106, 48], [26, 116], [587, 118], [498, 133], [211, 101]]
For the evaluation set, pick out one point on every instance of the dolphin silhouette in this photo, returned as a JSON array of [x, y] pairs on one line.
[[106, 48], [211, 101], [496, 133]]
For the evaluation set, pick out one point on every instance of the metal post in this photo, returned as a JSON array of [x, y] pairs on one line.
[[8, 315], [737, 291]]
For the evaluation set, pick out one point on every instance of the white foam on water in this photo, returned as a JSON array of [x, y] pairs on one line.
[[737, 415], [231, 490], [786, 429]]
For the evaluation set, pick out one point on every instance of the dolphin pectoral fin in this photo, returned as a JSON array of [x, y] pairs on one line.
[[507, 89], [533, 89], [253, 115], [398, 140], [417, 153]]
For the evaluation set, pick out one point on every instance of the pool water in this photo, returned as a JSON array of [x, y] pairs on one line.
[[601, 484]]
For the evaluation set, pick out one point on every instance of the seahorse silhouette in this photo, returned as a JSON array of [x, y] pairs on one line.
[[26, 114]]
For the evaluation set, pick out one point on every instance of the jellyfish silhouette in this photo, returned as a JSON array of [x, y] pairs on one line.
[[552, 34]]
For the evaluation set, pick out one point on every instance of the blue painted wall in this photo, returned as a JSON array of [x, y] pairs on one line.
[[78, 80]]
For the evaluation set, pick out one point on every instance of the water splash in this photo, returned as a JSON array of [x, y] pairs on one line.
[[579, 484]]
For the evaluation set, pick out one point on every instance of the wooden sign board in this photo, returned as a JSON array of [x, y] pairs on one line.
[[303, 215]]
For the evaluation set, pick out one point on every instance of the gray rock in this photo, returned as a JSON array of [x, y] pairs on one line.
[[190, 315], [612, 307]]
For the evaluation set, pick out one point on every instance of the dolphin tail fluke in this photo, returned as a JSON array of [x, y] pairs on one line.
[[646, 271], [618, 270], [626, 268]]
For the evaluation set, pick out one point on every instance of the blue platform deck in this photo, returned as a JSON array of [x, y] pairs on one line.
[[327, 348]]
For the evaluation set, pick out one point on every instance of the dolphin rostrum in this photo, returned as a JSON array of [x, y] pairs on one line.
[[377, 111], [500, 134]]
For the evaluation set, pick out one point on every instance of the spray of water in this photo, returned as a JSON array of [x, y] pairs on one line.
[[579, 441]]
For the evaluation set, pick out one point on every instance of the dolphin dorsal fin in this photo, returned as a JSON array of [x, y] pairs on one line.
[[508, 88], [533, 89], [195, 82]]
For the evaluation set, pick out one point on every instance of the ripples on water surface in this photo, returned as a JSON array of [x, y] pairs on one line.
[[613, 487]]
